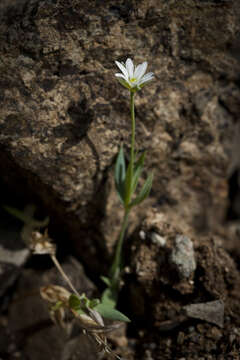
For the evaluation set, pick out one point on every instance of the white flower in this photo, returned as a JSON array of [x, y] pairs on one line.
[[132, 77]]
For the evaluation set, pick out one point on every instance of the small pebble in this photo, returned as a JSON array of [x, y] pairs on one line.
[[211, 311], [157, 239], [183, 257], [142, 235]]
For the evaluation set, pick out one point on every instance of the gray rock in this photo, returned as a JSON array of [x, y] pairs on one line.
[[212, 311], [13, 253], [182, 257]]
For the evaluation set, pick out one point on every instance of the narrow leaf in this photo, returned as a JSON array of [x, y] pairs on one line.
[[144, 192], [106, 280], [120, 174], [26, 218], [137, 171], [109, 298], [111, 313]]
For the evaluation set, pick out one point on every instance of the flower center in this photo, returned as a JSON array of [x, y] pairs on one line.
[[133, 80]]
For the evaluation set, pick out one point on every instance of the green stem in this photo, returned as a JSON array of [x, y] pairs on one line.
[[117, 263], [132, 159], [115, 270], [130, 171]]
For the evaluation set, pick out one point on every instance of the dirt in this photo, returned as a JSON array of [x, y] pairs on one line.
[[169, 331]]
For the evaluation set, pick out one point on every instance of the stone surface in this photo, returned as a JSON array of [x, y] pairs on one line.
[[13, 252], [183, 257], [212, 311], [63, 114], [160, 281]]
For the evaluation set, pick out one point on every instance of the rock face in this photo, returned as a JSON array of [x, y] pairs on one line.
[[63, 115]]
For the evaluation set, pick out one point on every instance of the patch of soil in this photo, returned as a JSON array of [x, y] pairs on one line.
[[181, 291]]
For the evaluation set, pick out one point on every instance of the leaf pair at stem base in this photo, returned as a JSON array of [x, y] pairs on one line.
[[126, 181]]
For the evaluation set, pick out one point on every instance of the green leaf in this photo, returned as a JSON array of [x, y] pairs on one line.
[[80, 311], [120, 174], [137, 171], [111, 313], [109, 297], [74, 302], [128, 185], [106, 280], [144, 192], [27, 219], [93, 303], [80, 305]]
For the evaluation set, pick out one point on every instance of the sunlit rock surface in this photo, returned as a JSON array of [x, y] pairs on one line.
[[63, 115]]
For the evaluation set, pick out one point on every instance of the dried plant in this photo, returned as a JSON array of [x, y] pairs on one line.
[[89, 313]]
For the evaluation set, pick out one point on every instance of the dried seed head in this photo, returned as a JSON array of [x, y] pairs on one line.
[[54, 293], [41, 244], [90, 321]]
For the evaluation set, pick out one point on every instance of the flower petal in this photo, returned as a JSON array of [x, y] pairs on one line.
[[133, 78], [140, 70], [121, 75], [122, 68], [147, 77], [130, 68]]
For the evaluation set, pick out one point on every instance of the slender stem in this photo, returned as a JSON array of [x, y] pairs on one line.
[[130, 172], [116, 266], [133, 133], [66, 278], [118, 255]]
